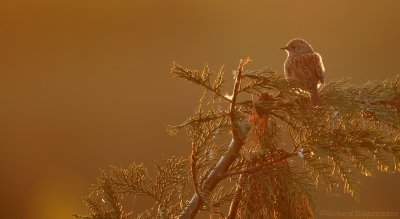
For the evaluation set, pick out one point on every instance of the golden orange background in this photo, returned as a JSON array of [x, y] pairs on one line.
[[85, 84]]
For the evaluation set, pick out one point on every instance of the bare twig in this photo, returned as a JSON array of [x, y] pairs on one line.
[[193, 169], [236, 200], [236, 87]]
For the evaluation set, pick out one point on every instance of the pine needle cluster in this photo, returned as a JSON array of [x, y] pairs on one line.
[[280, 150]]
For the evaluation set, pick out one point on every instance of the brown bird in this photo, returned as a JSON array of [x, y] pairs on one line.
[[305, 66]]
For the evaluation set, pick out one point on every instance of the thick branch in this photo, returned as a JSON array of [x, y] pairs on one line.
[[230, 156], [213, 178]]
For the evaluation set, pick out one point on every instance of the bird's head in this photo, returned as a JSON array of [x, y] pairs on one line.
[[298, 46]]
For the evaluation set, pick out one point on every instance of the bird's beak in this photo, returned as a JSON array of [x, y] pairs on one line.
[[284, 48]]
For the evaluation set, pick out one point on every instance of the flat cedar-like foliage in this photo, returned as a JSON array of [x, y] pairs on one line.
[[281, 149]]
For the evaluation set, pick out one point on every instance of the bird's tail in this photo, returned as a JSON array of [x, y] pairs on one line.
[[315, 98]]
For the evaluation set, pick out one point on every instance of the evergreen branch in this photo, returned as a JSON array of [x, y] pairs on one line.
[[393, 102], [356, 131], [234, 207], [235, 130], [201, 79], [222, 196], [259, 167], [198, 119], [226, 161], [265, 79], [201, 135], [127, 181]]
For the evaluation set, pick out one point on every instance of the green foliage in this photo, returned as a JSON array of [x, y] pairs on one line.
[[282, 149]]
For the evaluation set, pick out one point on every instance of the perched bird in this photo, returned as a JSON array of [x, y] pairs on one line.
[[305, 66]]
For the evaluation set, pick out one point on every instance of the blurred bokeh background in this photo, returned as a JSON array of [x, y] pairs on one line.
[[86, 84]]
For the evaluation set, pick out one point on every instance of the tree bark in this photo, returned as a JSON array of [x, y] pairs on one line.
[[223, 165], [214, 178]]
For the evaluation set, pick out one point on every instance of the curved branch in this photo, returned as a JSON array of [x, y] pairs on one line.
[[226, 161]]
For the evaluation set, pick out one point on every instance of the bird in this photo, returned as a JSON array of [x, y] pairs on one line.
[[305, 66]]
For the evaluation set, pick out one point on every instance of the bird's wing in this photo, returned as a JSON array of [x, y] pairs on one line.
[[306, 68], [311, 64]]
